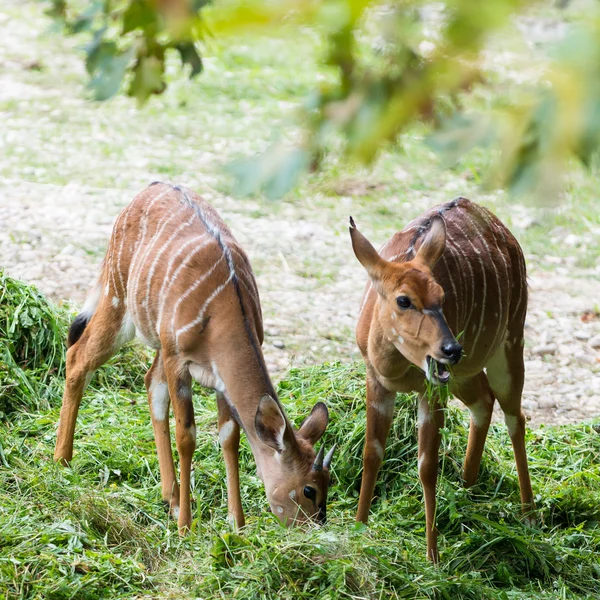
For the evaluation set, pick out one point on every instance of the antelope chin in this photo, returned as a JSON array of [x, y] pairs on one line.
[[436, 371]]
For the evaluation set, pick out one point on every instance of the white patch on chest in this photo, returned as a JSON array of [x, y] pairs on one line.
[[207, 377]]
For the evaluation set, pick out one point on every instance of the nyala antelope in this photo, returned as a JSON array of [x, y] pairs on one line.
[[175, 276], [454, 270]]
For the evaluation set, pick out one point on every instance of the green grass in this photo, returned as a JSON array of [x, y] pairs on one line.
[[98, 529]]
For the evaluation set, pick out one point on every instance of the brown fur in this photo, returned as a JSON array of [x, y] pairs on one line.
[[465, 274], [175, 275]]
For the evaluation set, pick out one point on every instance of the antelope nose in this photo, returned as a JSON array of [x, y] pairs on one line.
[[453, 351]]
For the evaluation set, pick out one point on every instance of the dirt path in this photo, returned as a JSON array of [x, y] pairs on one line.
[[54, 237]]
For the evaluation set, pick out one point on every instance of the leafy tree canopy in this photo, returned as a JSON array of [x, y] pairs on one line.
[[397, 62]]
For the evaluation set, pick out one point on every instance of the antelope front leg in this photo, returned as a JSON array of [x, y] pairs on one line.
[[180, 391], [380, 412], [431, 420], [158, 400], [479, 399], [229, 436]]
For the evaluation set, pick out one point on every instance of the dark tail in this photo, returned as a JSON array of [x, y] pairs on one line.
[[77, 328]]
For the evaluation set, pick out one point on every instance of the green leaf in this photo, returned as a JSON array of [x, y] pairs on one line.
[[140, 15], [108, 67], [275, 172], [148, 78], [189, 55]]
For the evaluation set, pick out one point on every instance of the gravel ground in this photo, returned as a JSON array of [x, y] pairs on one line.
[[54, 237]]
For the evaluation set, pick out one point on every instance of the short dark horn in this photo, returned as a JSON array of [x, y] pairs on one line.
[[327, 461], [318, 464]]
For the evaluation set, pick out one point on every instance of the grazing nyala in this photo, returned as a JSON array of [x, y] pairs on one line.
[[455, 271], [175, 276]]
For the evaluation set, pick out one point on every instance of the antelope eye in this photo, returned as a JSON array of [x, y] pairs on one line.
[[403, 301], [310, 492]]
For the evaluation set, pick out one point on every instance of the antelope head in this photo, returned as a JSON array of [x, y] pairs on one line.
[[297, 480], [410, 302]]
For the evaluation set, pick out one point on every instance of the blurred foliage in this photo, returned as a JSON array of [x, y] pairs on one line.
[[132, 37], [396, 62]]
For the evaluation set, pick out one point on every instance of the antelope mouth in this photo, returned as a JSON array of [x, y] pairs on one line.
[[436, 371]]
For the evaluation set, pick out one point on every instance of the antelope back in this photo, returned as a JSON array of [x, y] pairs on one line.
[[169, 258], [481, 272]]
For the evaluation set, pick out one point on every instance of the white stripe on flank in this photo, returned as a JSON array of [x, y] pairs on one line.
[[466, 261], [483, 311], [200, 316], [119, 272], [164, 291], [141, 262], [478, 253], [193, 287], [140, 243], [456, 298], [461, 314], [154, 264]]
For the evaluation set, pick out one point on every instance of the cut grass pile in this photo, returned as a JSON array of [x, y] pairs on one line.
[[98, 529]]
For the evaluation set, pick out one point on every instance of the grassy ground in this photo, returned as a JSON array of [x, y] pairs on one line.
[[98, 530]]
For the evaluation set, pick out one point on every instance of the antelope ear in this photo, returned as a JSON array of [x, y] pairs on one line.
[[313, 427], [271, 425], [367, 256], [434, 244]]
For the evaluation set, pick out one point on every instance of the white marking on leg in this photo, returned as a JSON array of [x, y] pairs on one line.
[[115, 301], [512, 424], [159, 394], [425, 415], [480, 412], [385, 409], [192, 432], [226, 431], [378, 448]]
